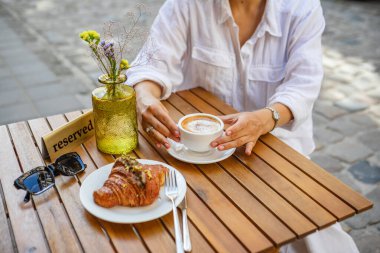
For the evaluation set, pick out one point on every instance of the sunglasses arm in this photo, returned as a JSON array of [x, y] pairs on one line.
[[15, 184], [18, 185], [27, 197]]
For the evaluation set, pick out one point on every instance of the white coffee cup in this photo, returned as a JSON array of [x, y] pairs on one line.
[[196, 141]]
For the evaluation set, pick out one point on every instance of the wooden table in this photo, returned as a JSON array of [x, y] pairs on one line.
[[241, 204]]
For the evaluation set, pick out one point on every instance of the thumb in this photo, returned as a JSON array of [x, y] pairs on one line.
[[229, 119]]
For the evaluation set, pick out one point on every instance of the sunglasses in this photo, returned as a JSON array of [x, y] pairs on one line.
[[41, 179]]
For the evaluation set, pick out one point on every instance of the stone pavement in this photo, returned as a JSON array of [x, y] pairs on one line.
[[45, 69], [347, 113]]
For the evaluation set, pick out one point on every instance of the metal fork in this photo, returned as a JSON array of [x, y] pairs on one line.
[[171, 191]]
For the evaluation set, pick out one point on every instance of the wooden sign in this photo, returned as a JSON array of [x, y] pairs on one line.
[[65, 138]]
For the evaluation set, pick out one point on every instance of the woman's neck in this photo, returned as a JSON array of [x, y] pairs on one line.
[[245, 5], [247, 15]]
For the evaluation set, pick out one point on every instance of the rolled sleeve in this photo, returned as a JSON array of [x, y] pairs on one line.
[[304, 71], [139, 74], [164, 65]]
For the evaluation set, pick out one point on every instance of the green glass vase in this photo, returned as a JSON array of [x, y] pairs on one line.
[[115, 118]]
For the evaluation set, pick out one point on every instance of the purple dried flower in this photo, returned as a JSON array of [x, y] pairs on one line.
[[107, 46], [102, 43], [108, 52]]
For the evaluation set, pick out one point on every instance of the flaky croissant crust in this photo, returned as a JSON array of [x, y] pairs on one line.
[[131, 184]]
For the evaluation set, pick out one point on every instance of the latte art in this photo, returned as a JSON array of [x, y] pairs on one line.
[[201, 124]]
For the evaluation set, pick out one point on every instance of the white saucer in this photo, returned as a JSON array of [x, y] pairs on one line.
[[180, 152]]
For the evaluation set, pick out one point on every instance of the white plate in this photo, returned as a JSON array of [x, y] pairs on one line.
[[181, 153], [121, 214]]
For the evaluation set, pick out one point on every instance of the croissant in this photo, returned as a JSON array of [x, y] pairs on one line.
[[131, 184]]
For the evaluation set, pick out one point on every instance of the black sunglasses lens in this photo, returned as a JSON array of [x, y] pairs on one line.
[[38, 181], [70, 165]]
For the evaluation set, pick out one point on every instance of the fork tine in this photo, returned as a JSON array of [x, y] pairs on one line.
[[170, 179], [172, 193], [175, 180]]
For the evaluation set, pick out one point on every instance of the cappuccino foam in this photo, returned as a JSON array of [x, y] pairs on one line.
[[201, 124]]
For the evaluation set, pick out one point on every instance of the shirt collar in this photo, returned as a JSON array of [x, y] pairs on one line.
[[270, 21]]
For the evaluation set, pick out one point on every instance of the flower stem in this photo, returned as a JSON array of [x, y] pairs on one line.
[[100, 60]]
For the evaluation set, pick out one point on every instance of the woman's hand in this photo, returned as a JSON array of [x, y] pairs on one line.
[[153, 115], [245, 129]]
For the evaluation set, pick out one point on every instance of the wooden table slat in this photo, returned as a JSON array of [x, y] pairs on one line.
[[284, 188], [322, 196], [244, 203], [199, 243], [23, 216], [151, 240], [241, 226], [56, 224], [214, 101], [297, 177], [197, 103], [295, 222], [282, 209], [319, 193], [122, 236], [6, 242], [85, 225], [156, 236], [348, 195], [300, 225], [198, 212]]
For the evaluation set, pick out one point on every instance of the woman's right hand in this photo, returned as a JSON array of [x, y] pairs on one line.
[[154, 117]]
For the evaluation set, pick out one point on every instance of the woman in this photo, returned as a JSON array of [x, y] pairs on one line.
[[262, 57]]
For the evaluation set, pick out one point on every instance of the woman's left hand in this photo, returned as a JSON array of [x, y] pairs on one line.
[[245, 129]]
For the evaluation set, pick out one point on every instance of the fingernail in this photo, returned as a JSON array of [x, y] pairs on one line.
[[158, 145], [228, 133], [167, 145], [221, 147], [176, 133], [214, 144]]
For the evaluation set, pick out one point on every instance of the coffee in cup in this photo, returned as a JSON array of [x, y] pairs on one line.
[[198, 130], [201, 124]]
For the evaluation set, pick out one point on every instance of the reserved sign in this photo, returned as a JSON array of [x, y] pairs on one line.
[[65, 138]]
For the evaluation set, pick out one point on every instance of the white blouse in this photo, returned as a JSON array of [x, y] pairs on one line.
[[198, 45]]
